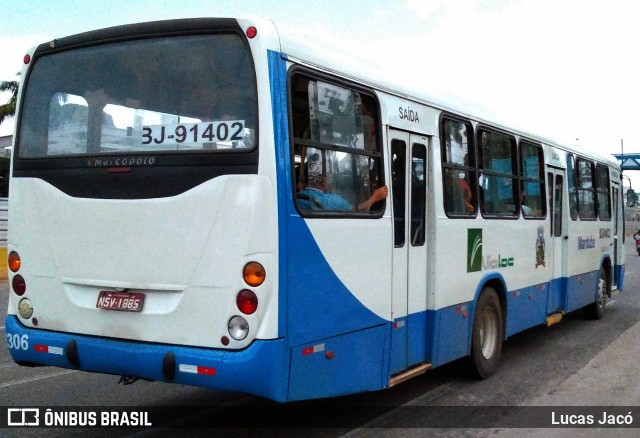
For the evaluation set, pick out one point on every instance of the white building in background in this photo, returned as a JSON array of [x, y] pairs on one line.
[[5, 142]]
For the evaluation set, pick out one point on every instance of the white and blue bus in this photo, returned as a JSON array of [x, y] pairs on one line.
[[208, 202]]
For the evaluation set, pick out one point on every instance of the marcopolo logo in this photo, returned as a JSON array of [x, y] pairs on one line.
[[474, 249]]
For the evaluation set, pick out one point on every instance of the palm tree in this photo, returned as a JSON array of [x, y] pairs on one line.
[[9, 108]]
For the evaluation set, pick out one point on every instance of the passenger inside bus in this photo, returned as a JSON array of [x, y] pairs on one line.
[[458, 195], [316, 197]]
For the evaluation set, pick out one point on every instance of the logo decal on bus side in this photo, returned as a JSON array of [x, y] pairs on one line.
[[475, 260], [474, 249]]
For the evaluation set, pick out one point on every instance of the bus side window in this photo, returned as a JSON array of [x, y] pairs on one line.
[[398, 157], [498, 174], [603, 195], [458, 168], [335, 146], [571, 182], [532, 187], [586, 190], [418, 193]]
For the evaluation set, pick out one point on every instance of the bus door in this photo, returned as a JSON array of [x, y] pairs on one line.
[[557, 244], [408, 161], [617, 229]]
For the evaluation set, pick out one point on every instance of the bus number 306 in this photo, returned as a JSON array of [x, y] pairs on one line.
[[17, 342]]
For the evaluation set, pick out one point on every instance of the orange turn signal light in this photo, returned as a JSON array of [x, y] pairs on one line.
[[254, 274], [14, 261]]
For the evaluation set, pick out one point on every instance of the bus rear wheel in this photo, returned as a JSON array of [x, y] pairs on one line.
[[595, 310], [487, 334]]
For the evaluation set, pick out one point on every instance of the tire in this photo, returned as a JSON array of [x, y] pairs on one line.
[[487, 335], [595, 310]]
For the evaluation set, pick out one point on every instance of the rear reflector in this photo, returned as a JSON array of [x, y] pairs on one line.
[[313, 349], [47, 349], [197, 369]]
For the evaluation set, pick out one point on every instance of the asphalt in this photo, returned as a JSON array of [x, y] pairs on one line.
[[612, 378]]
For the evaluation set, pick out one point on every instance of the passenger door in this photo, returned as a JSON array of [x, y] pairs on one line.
[[617, 231], [409, 178], [558, 240]]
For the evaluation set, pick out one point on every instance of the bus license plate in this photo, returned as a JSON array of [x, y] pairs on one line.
[[124, 301]]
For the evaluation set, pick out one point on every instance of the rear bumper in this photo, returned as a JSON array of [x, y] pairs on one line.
[[260, 369]]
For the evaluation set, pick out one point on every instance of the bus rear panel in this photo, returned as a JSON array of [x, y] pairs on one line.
[[139, 217]]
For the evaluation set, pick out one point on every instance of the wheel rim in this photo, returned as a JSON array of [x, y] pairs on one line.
[[489, 332]]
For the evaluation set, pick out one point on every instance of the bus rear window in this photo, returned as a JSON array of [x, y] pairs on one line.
[[177, 94]]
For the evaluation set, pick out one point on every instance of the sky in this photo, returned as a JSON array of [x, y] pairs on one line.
[[566, 69]]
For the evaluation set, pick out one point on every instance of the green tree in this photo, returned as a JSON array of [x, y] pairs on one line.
[[9, 108]]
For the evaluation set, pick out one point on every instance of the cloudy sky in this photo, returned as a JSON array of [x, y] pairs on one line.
[[566, 69]]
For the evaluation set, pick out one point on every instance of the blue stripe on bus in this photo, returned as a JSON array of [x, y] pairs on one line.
[[619, 275], [421, 337], [345, 364], [581, 290], [278, 86], [526, 308], [342, 350], [260, 369], [452, 331], [320, 305]]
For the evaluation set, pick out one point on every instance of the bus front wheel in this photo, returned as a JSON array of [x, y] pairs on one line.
[[487, 334]]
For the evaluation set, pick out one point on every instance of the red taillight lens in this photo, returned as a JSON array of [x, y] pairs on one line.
[[247, 302], [26, 59], [252, 32], [19, 285], [14, 261]]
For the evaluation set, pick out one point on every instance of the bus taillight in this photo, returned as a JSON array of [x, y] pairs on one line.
[[26, 59], [238, 328], [19, 285], [247, 301], [252, 32], [254, 274], [14, 261]]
